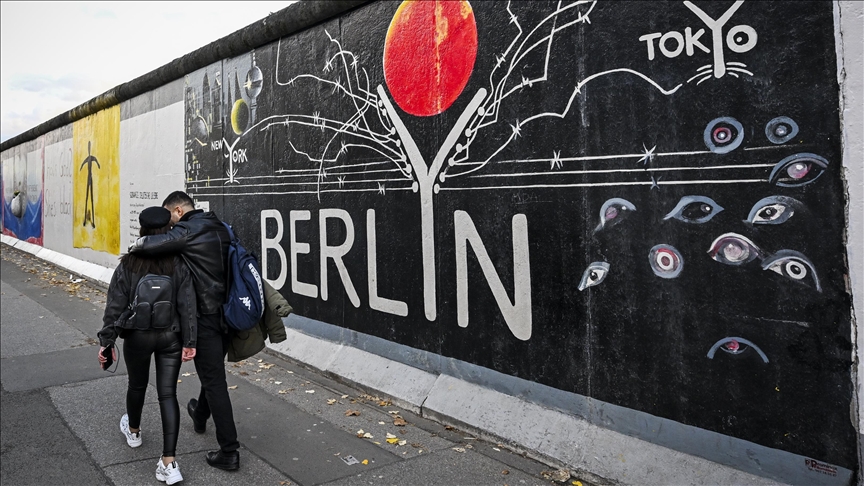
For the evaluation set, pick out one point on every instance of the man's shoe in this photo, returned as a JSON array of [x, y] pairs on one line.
[[132, 438], [228, 461], [169, 474], [199, 425]]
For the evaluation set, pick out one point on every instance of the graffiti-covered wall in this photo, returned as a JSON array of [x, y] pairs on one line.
[[639, 205], [22, 192], [635, 202], [78, 190]]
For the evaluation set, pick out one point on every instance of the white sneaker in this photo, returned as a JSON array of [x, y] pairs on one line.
[[169, 474], [133, 439]]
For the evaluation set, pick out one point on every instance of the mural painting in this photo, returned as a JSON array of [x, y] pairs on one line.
[[23, 195], [95, 181], [595, 196]]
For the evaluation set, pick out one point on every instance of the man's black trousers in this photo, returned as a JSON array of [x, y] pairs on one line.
[[210, 365]]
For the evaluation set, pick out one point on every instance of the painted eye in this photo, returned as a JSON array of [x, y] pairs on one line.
[[793, 265], [781, 130], [735, 345], [665, 261], [734, 249], [695, 209], [798, 170], [723, 135], [613, 212], [773, 210], [594, 274]]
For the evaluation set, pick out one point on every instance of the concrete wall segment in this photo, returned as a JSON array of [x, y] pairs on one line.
[[849, 28], [295, 17], [151, 150]]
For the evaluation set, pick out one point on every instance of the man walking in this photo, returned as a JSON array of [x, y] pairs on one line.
[[202, 241]]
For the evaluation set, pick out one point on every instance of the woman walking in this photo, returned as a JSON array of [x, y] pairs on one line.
[[166, 329]]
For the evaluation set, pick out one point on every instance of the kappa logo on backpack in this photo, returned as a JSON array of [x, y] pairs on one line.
[[244, 305], [152, 307]]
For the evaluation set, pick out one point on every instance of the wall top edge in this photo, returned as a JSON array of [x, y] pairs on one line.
[[293, 18]]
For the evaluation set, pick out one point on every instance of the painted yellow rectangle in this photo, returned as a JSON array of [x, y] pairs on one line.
[[96, 181]]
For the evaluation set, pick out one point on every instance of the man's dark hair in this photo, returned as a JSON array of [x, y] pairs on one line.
[[178, 198]]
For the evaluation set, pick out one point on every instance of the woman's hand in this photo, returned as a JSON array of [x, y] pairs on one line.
[[102, 358], [188, 354]]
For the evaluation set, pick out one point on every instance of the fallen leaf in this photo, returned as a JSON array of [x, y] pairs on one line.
[[448, 427], [392, 439], [505, 472], [179, 381], [331, 401], [360, 433], [352, 413], [382, 423], [344, 396], [459, 449], [290, 372], [282, 392], [277, 382], [560, 475], [576, 483], [384, 403], [284, 483], [469, 446], [365, 462], [402, 442], [367, 435], [266, 366], [186, 374], [310, 391], [260, 360], [233, 387], [393, 412], [399, 422], [496, 449]]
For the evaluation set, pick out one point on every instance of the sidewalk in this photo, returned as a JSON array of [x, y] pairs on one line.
[[60, 412]]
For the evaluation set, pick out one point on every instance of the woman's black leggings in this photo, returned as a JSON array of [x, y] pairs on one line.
[[137, 348]]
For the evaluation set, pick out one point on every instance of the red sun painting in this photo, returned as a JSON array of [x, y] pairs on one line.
[[429, 54]]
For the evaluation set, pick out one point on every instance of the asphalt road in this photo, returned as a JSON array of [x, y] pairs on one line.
[[60, 412]]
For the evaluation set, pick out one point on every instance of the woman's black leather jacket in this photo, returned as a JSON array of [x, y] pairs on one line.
[[121, 292]]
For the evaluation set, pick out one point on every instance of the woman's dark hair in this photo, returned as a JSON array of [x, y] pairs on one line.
[[140, 265]]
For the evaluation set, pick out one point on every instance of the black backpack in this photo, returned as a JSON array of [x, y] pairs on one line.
[[153, 306]]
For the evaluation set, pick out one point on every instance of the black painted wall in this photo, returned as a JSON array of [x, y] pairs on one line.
[[674, 153]]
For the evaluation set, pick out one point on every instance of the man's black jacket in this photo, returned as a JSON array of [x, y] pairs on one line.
[[202, 240]]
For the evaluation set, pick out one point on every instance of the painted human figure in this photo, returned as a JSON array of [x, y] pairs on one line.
[[91, 214]]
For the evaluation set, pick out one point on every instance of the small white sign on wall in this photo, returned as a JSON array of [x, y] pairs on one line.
[[205, 205]]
